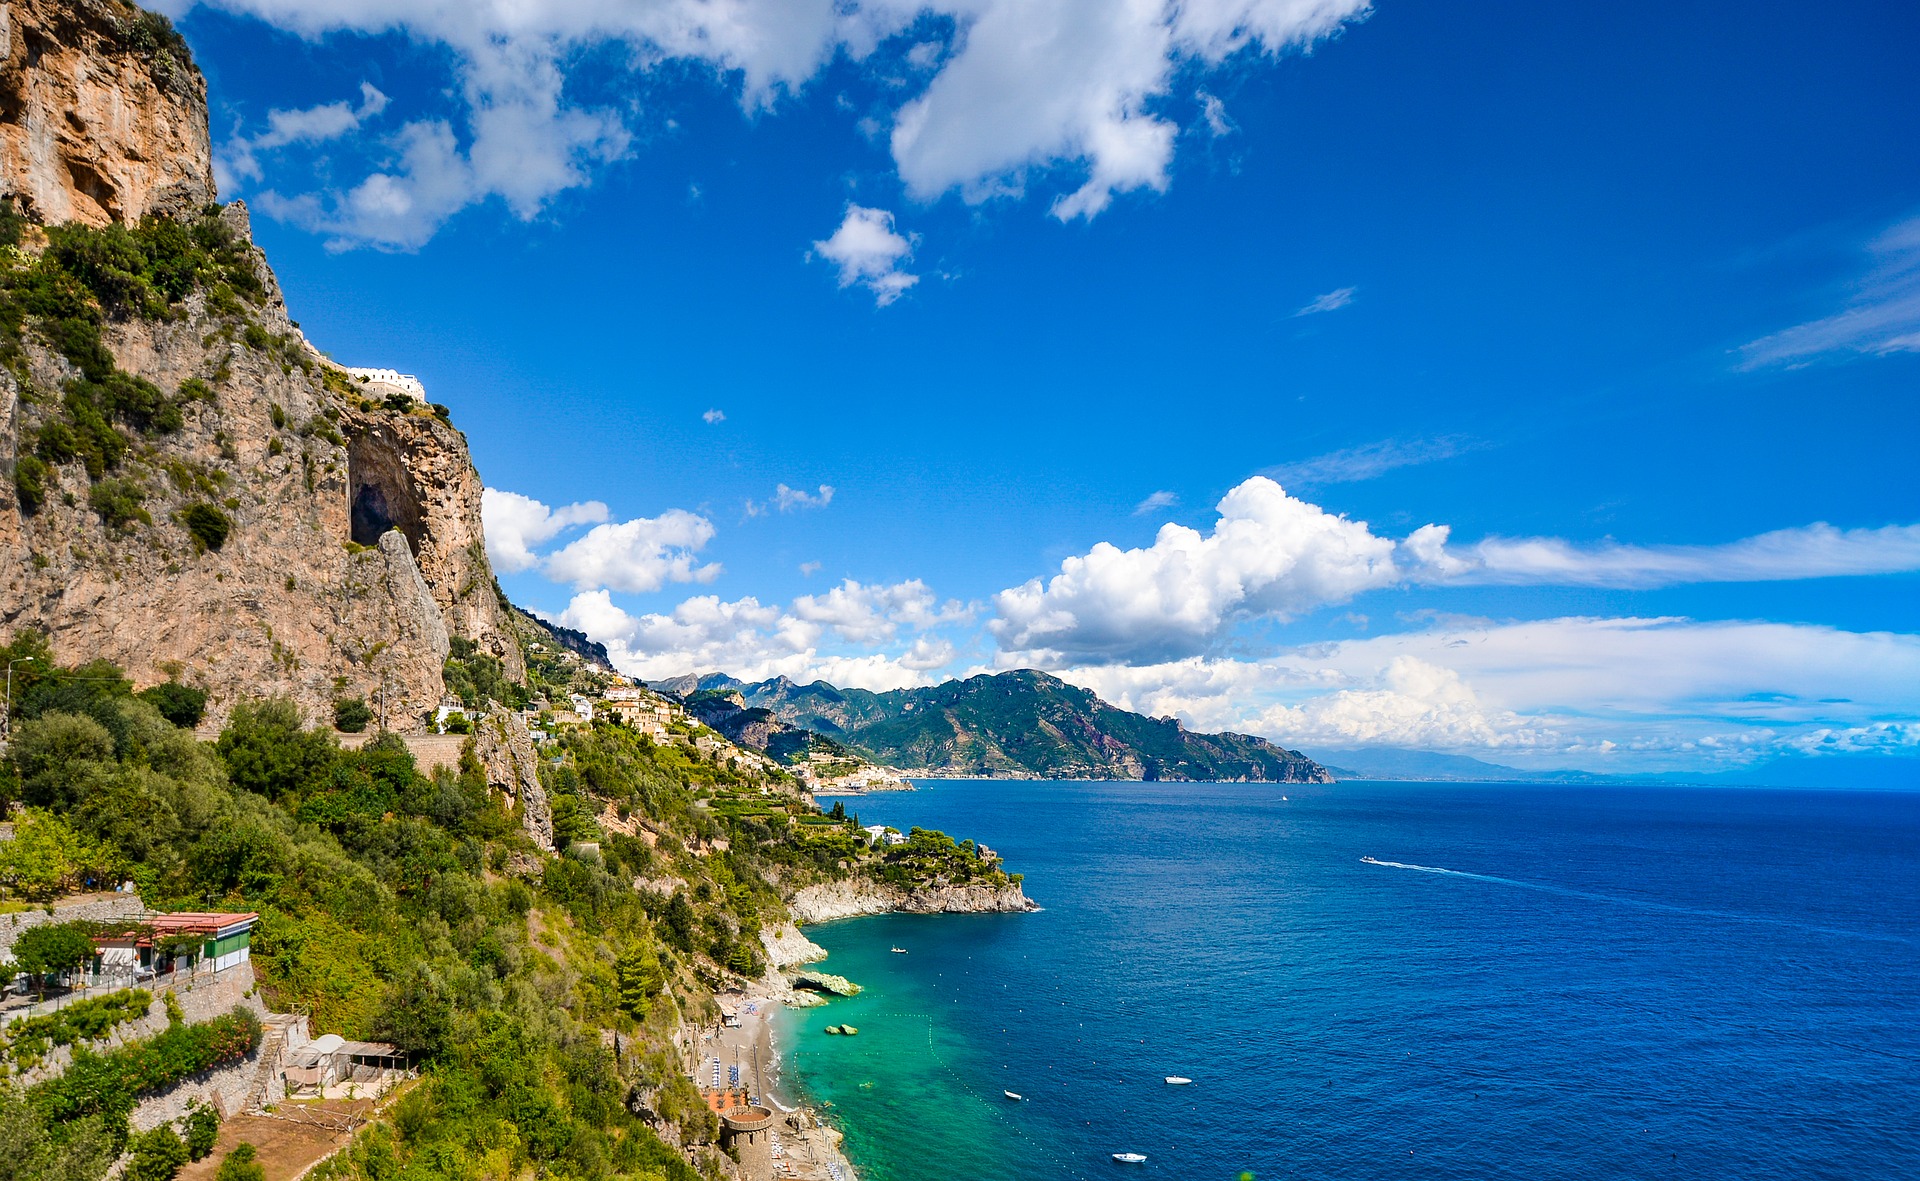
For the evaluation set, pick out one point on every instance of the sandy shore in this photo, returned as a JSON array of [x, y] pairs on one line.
[[805, 1148]]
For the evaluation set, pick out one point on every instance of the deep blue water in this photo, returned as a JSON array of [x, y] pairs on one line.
[[1683, 983]]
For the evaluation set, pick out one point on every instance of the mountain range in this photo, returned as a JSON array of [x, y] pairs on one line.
[[1019, 725]]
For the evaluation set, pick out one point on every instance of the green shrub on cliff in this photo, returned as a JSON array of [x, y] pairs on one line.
[[30, 474], [208, 525], [119, 503]]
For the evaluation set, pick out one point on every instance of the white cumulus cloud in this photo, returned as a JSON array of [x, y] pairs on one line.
[[1018, 88], [643, 554], [1267, 554], [1273, 556], [514, 524], [842, 636], [868, 251]]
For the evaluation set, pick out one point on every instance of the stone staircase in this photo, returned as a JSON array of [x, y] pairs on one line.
[[267, 1068]]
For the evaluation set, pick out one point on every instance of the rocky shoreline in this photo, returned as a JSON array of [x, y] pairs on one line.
[[813, 1145], [828, 901]]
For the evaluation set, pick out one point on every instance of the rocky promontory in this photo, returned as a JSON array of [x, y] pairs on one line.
[[850, 899]]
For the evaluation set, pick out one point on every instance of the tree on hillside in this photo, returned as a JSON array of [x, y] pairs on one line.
[[55, 753], [46, 858], [33, 1153], [57, 947], [183, 705], [268, 750]]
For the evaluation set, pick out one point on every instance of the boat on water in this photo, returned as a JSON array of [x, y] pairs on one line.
[[1174, 1080], [1131, 1158], [1013, 1095], [899, 950], [1372, 861]]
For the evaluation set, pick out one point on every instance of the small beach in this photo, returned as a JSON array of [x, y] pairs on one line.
[[742, 1058]]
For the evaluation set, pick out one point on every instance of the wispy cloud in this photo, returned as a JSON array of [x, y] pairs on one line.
[[1882, 317], [1813, 551], [713, 417], [789, 500], [1332, 301], [239, 158], [1354, 464], [1155, 502]]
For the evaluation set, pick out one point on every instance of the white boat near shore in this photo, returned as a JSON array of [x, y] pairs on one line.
[[1131, 1158], [1013, 1095], [1174, 1080]]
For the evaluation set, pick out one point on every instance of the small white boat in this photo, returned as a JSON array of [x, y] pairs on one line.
[[899, 950], [1131, 1158], [1013, 1095], [1174, 1080]]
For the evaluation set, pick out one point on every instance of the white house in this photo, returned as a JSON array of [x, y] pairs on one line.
[[880, 834], [582, 706], [389, 381]]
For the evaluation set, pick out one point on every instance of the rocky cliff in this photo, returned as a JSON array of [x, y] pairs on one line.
[[103, 117], [195, 491], [851, 899]]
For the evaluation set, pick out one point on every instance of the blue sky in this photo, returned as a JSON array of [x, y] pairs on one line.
[[881, 342]]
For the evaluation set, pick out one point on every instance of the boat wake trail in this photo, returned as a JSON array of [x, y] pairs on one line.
[[1642, 903]]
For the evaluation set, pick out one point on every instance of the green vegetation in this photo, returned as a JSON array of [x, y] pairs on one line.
[[930, 855], [413, 908], [108, 1085], [24, 1042], [242, 1164], [477, 677], [208, 525], [66, 293], [182, 705], [1022, 723], [157, 1155], [202, 1128], [351, 715], [119, 503]]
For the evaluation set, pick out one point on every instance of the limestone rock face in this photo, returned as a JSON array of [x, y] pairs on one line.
[[353, 553], [303, 598], [103, 116], [504, 746], [828, 901]]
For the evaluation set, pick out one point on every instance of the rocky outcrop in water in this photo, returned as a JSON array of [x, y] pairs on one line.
[[855, 897], [826, 982]]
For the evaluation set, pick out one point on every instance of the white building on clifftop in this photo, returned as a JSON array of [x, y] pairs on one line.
[[388, 381]]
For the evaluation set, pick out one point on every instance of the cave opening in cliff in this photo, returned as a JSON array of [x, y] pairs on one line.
[[382, 492]]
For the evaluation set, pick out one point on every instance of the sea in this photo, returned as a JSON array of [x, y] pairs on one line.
[[1524, 982]]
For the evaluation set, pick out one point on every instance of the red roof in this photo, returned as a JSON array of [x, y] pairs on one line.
[[199, 921]]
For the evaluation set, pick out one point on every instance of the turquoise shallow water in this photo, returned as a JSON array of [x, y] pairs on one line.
[[1545, 983]]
